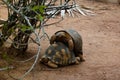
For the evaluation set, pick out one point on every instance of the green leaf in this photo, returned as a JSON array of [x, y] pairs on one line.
[[24, 28], [39, 17], [35, 8], [40, 8]]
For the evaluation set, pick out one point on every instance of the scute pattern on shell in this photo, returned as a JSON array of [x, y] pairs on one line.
[[60, 54]]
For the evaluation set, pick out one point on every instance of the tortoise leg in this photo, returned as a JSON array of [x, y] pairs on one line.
[[81, 58], [52, 39], [44, 60], [77, 60], [51, 64], [70, 44]]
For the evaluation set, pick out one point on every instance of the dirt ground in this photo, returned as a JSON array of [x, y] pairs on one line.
[[101, 47]]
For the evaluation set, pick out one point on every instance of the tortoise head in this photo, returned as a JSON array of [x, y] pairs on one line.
[[44, 60]]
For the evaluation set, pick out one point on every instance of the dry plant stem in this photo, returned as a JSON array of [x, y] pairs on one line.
[[43, 32], [37, 57], [38, 53], [6, 68]]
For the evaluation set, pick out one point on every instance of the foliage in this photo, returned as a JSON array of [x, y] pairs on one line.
[[23, 16]]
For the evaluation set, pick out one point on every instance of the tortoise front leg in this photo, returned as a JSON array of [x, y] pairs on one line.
[[81, 57], [51, 64], [77, 60], [52, 39]]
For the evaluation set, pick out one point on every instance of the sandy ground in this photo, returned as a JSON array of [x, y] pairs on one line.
[[101, 47]]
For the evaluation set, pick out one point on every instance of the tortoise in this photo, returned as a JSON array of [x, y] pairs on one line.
[[57, 55], [72, 39]]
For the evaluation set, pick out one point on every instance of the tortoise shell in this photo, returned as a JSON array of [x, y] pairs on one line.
[[59, 54], [69, 34]]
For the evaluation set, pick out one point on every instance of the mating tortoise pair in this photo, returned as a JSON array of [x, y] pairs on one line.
[[65, 49]]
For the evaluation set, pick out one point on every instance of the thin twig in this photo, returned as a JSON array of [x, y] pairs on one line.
[[6, 68]]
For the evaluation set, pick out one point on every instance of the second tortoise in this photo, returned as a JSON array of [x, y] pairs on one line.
[[72, 39]]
